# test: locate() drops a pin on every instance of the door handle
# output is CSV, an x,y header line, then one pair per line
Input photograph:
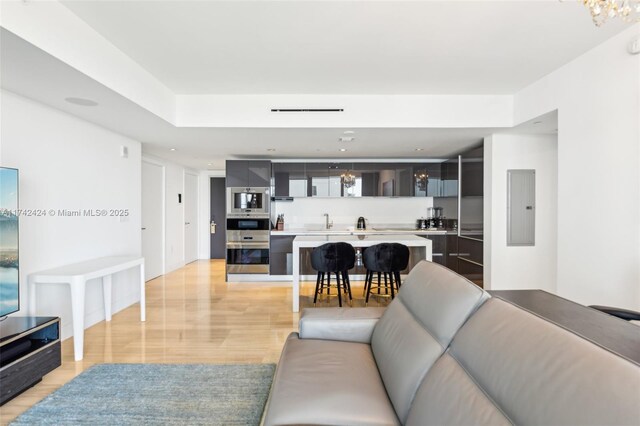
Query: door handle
x,y
187,223
144,229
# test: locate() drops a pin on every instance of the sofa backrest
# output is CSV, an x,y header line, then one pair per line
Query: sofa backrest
x,y
509,366
418,326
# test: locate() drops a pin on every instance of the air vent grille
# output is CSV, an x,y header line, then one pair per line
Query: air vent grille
x,y
307,110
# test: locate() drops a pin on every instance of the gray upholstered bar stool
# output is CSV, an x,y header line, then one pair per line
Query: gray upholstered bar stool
x,y
333,258
387,259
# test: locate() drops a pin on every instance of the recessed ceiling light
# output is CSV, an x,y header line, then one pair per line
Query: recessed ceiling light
x,y
172,149
419,149
343,149
349,132
209,164
271,149
81,102
346,139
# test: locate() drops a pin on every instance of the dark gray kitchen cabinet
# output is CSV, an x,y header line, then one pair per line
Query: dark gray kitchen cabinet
x,y
449,173
280,249
317,179
451,261
236,173
472,167
438,248
369,178
289,179
259,173
434,185
244,173
404,180
336,172
398,179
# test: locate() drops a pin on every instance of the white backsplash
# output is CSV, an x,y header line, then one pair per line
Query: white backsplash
x,y
345,211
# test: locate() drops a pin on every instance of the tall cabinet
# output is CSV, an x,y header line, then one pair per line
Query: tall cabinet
x,y
470,220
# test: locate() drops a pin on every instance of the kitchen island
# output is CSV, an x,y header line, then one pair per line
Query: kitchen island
x,y
310,241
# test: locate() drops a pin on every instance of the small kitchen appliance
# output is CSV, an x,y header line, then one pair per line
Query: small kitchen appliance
x,y
362,225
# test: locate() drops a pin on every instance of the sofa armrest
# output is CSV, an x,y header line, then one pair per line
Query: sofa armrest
x,y
345,324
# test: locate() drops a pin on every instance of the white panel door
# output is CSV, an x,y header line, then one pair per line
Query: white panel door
x,y
152,219
190,217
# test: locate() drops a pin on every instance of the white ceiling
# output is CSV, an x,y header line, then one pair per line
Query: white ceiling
x,y
32,73
327,47
346,47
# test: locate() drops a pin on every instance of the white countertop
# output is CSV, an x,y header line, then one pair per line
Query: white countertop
x,y
311,231
303,241
360,240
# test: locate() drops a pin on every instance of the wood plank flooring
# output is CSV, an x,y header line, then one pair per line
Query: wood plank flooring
x,y
193,316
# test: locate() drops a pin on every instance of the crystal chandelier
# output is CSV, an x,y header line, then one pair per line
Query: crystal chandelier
x,y
601,10
421,181
348,180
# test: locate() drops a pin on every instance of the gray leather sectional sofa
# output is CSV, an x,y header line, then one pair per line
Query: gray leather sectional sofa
x,y
445,353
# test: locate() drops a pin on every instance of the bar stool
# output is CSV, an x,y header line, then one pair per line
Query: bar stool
x,y
388,259
333,258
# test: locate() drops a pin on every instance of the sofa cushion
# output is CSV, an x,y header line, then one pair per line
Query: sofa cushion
x,y
449,396
533,371
418,326
328,382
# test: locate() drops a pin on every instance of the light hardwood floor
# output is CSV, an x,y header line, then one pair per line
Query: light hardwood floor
x,y
193,316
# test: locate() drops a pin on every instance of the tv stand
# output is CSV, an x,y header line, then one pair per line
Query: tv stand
x,y
29,349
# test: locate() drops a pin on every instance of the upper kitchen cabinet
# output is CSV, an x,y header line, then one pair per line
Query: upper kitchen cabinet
x,y
449,170
332,180
472,168
366,179
289,179
259,173
317,179
369,176
344,181
404,180
244,173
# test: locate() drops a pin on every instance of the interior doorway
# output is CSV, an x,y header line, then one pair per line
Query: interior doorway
x,y
190,217
218,213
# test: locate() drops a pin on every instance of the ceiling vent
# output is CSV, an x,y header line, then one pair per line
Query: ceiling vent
x,y
307,110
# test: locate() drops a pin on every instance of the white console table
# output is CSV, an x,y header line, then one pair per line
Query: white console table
x,y
305,241
77,275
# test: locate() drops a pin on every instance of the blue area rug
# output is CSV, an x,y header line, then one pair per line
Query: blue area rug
x,y
157,394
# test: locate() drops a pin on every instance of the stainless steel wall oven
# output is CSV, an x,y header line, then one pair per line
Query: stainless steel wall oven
x,y
248,245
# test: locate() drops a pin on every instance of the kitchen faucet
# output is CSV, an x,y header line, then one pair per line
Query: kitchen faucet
x,y
327,224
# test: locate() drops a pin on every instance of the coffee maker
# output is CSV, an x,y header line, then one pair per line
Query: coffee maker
x,y
434,217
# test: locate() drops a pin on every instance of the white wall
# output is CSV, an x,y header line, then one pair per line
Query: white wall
x,y
520,267
345,211
67,163
598,101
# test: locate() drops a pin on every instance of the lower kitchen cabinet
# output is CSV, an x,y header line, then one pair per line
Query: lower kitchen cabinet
x,y
470,258
438,248
451,261
280,257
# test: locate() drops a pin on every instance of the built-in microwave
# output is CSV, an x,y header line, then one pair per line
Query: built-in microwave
x,y
248,202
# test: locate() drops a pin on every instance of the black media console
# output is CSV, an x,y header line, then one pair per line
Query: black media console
x,y
29,349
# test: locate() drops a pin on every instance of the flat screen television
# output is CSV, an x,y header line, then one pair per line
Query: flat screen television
x,y
9,275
